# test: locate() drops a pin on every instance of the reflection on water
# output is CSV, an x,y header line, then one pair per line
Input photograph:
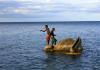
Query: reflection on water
x,y
21,47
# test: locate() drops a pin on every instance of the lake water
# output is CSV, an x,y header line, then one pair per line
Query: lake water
x,y
21,46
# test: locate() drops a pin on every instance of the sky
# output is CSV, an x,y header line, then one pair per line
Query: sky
x,y
49,10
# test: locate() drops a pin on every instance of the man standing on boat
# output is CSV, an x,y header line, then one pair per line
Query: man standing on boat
x,y
53,39
47,30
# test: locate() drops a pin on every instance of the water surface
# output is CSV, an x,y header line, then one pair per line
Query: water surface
x,y
21,46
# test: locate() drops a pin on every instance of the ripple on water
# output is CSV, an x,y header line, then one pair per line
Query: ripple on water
x,y
22,49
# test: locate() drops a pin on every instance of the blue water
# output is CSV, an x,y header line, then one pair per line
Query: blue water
x,y
21,46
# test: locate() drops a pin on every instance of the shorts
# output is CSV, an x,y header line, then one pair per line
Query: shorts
x,y
54,40
47,37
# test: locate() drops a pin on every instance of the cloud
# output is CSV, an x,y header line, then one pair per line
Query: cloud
x,y
48,8
80,5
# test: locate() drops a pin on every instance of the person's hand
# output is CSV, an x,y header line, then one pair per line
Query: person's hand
x,y
40,30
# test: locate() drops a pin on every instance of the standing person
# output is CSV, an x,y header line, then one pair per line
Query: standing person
x,y
54,40
47,30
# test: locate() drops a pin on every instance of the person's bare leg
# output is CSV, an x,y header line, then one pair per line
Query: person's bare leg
x,y
47,42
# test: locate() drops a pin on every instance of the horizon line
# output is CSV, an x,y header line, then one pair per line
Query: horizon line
x,y
44,21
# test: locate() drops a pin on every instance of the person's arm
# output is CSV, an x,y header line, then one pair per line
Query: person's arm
x,y
43,30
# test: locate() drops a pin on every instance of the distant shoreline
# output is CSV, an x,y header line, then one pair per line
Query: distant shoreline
x,y
51,22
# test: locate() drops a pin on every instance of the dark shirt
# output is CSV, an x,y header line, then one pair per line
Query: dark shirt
x,y
52,33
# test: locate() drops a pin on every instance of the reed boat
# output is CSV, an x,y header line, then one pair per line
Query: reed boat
x,y
67,46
